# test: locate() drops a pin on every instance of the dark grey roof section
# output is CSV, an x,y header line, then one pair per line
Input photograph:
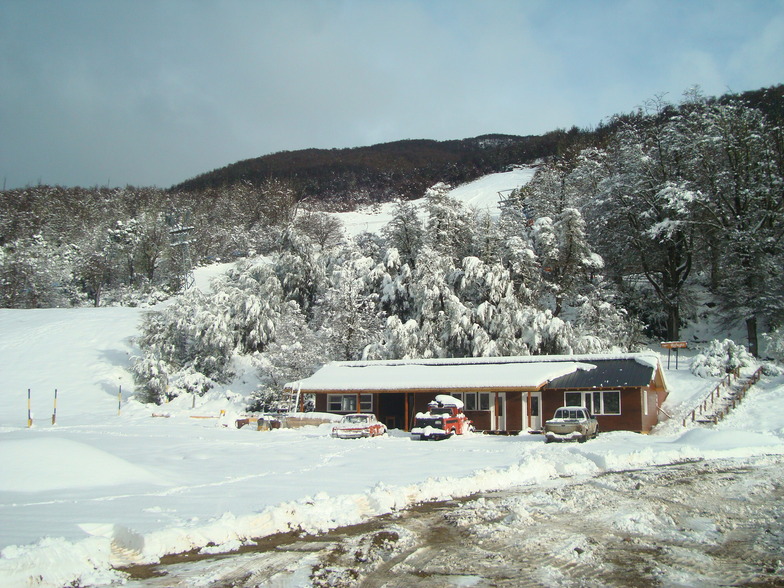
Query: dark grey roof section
x,y
609,373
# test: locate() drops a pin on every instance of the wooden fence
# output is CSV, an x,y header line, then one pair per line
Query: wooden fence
x,y
716,396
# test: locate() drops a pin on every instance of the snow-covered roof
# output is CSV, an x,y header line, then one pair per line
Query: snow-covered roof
x,y
472,373
386,376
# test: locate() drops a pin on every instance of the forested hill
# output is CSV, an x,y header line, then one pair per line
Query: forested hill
x,y
405,169
385,171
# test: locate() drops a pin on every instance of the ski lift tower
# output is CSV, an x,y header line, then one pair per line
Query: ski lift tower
x,y
180,240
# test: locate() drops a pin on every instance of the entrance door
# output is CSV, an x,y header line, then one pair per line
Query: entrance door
x,y
534,400
498,410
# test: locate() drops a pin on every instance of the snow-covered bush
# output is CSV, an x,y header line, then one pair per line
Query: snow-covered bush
x,y
721,357
775,344
190,381
151,378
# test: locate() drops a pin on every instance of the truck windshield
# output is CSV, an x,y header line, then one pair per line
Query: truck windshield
x,y
438,411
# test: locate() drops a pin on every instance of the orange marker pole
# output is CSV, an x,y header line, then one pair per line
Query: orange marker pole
x,y
54,412
29,412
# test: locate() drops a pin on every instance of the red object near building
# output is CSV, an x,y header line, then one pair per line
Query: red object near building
x,y
443,419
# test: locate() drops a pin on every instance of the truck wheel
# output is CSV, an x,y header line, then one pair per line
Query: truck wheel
x,y
582,438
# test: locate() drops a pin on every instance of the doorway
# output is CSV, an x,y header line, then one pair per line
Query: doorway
x,y
499,410
532,408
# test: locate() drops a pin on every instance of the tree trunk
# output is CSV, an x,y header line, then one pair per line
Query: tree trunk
x,y
673,322
751,330
558,305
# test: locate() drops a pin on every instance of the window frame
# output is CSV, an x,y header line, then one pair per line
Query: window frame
x,y
365,403
480,399
597,399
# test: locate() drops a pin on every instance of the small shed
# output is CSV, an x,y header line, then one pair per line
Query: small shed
x,y
500,394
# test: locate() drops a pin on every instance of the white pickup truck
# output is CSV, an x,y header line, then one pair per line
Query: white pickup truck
x,y
570,423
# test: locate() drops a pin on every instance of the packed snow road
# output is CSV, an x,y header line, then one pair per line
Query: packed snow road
x,y
705,523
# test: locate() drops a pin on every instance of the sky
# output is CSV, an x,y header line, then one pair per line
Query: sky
x,y
151,93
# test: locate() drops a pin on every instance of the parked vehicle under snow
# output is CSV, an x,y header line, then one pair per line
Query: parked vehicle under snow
x,y
353,426
443,419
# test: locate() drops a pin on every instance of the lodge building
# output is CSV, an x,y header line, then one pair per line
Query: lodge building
x,y
501,394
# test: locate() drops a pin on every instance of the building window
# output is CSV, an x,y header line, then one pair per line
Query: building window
x,y
606,402
484,400
348,403
469,400
474,400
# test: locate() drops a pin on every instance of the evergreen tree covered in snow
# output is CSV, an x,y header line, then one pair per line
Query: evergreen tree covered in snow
x,y
296,353
449,223
300,268
346,314
195,338
405,232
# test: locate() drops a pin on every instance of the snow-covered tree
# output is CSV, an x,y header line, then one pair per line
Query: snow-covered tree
x,y
301,271
346,312
519,257
775,344
34,273
296,353
575,264
449,224
397,340
151,378
322,229
720,358
517,213
644,214
549,192
405,232
255,298
736,160
487,238
93,267
394,285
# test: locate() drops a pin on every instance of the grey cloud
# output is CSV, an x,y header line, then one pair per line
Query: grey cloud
x,y
155,92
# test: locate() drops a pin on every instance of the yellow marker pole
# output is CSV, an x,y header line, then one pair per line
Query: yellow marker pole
x,y
29,412
54,412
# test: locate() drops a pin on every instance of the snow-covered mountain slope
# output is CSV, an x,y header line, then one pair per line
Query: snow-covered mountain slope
x,y
482,194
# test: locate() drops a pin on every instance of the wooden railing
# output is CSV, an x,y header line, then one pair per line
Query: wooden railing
x,y
716,395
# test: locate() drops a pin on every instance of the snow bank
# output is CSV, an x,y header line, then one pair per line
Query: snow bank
x,y
44,564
